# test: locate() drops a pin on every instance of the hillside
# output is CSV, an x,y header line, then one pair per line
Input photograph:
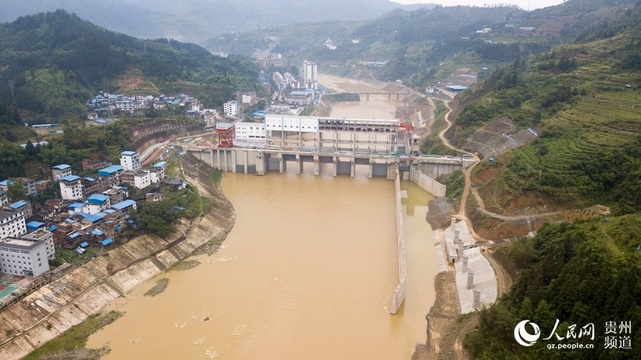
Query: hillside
x,y
56,62
410,42
565,133
581,99
199,20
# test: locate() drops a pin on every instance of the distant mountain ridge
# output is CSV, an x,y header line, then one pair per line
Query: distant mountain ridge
x,y
56,61
199,20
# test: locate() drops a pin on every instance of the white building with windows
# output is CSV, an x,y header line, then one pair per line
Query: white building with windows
x,y
27,255
130,160
97,203
157,172
71,188
232,108
310,75
12,224
60,171
249,131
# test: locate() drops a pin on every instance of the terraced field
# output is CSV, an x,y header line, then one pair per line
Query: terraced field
x,y
602,117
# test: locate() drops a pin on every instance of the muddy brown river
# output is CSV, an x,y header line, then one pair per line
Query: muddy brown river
x,y
306,273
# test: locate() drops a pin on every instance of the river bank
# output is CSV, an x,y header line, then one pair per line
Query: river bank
x,y
87,289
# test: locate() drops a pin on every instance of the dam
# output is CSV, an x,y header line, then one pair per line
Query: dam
x,y
382,145
308,271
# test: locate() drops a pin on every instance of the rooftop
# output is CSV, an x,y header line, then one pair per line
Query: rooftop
x,y
124,204
6,214
35,224
70,178
76,205
98,199
128,153
62,167
18,204
160,164
22,244
108,171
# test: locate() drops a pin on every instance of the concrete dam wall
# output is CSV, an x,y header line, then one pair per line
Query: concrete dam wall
x,y
399,293
427,183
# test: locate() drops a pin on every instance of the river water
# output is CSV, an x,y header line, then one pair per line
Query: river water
x,y
306,273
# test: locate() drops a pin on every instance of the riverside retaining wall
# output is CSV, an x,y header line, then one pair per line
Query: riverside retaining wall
x,y
427,183
87,289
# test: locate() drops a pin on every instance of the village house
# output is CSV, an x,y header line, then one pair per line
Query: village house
x,y
60,171
112,174
71,188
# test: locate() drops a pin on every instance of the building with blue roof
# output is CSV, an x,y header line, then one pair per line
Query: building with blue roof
x,y
98,199
112,174
75,207
4,198
34,225
110,170
60,171
18,204
22,206
157,172
125,206
130,160
97,203
71,187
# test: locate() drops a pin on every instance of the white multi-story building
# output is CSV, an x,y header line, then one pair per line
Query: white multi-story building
x,y
130,160
71,187
157,172
249,131
12,224
97,203
333,134
60,171
310,75
139,179
27,255
232,108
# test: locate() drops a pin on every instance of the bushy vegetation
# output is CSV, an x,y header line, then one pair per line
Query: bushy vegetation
x,y
567,273
77,143
161,217
57,62
71,343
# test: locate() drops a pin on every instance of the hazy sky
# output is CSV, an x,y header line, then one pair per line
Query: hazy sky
x,y
524,4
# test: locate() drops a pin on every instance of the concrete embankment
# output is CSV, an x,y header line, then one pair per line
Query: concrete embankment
x,y
427,183
399,293
85,290
323,109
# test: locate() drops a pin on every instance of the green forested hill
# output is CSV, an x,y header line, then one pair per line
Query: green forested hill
x,y
583,99
56,62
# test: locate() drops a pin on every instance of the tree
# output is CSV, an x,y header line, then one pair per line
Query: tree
x,y
158,218
15,190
